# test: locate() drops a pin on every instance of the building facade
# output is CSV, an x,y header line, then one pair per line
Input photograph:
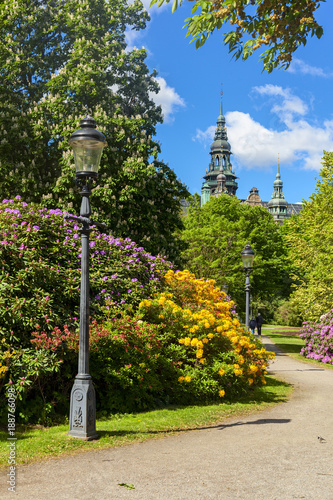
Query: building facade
x,y
221,178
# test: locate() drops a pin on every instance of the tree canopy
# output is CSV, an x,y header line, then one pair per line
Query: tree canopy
x,y
310,240
217,233
60,58
281,26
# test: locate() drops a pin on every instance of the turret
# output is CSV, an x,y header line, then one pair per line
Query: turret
x,y
220,151
277,205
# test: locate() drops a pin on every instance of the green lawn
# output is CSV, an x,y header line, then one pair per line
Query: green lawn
x,y
287,339
35,444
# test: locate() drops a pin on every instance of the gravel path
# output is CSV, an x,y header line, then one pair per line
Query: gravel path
x,y
271,455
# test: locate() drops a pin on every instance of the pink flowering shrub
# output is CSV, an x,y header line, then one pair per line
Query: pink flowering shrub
x,y
40,271
318,339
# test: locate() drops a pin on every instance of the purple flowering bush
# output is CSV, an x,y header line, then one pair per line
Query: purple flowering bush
x,y
40,275
318,339
40,271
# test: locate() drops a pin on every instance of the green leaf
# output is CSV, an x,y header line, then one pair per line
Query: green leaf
x,y
128,486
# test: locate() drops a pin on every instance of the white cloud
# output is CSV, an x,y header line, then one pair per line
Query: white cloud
x,y
293,137
168,99
133,37
255,146
290,105
299,66
206,136
130,37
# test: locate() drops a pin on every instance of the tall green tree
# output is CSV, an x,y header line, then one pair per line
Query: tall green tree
x,y
310,240
281,26
60,58
217,233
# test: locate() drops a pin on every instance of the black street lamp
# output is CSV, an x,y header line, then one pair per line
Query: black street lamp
x,y
88,144
247,259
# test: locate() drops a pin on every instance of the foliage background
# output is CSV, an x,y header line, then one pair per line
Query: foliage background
x,y
60,59
309,239
217,233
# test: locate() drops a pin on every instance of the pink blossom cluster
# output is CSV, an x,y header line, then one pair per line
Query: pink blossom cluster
x,y
318,338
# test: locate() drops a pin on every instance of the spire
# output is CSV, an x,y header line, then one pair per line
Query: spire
x,y
221,177
278,183
277,205
278,168
221,110
221,131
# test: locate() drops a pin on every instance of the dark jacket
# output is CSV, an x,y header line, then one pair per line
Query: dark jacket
x,y
252,324
259,320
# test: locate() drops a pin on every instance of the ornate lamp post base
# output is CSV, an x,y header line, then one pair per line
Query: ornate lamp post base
x,y
82,419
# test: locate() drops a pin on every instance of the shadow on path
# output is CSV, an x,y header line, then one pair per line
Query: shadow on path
x,y
207,427
260,421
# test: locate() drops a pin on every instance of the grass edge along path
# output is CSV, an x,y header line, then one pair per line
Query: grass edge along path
x,y
39,443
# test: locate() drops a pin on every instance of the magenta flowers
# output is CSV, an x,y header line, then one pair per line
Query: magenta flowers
x,y
318,338
40,255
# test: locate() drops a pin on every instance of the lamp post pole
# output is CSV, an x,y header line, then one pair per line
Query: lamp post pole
x,y
88,145
82,420
247,291
247,257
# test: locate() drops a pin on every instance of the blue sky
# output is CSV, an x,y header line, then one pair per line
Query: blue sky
x,y
286,113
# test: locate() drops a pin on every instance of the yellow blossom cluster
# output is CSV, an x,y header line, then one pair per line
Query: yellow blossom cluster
x,y
196,291
5,356
3,370
202,319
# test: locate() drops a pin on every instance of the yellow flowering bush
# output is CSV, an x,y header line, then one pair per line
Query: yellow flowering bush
x,y
203,339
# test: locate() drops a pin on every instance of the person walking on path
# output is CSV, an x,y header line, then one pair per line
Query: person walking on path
x,y
252,324
259,321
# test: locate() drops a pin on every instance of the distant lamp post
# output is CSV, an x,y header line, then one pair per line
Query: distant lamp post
x,y
225,287
88,144
251,302
247,259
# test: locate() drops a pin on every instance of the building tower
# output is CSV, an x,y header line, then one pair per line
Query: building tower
x,y
254,198
220,176
277,205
